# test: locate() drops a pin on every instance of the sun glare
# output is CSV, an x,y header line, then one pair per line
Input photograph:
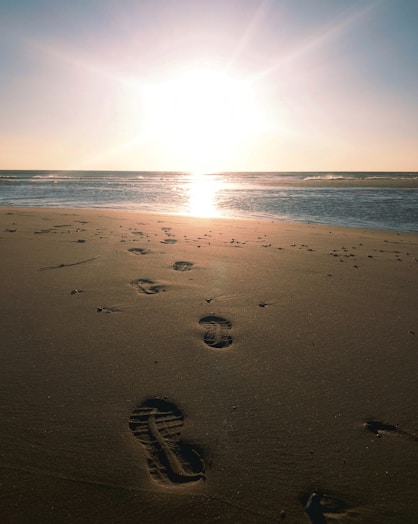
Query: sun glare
x,y
200,114
202,195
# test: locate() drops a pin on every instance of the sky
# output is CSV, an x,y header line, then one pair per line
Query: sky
x,y
209,85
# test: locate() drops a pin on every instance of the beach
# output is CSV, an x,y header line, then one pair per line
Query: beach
x,y
159,368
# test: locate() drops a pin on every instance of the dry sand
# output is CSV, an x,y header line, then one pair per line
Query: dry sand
x,y
221,375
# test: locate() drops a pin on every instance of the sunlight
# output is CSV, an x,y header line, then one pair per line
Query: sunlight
x,y
200,115
202,195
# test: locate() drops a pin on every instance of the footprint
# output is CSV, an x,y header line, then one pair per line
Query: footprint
x,y
182,266
158,424
379,428
168,241
106,309
138,250
43,231
374,426
217,331
148,287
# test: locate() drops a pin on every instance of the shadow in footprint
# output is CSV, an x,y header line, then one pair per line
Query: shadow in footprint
x,y
148,287
138,251
107,309
216,331
314,509
182,266
158,424
319,505
169,241
379,428
375,427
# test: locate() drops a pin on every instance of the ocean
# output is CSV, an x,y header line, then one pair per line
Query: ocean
x,y
387,201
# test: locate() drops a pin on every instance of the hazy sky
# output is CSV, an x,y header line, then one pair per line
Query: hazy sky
x,y
238,85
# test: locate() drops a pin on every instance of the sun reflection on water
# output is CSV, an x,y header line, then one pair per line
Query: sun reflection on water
x,y
203,189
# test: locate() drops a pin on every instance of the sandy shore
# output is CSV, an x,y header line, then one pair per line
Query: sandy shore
x,y
162,369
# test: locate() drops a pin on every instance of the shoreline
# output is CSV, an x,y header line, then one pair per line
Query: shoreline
x,y
263,219
177,369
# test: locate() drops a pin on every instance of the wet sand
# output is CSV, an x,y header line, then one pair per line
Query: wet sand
x,y
168,369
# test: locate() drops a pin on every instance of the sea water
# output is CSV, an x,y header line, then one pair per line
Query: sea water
x,y
370,200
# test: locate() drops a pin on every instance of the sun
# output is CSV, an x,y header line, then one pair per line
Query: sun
x,y
200,115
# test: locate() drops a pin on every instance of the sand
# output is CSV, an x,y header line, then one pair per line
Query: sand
x,y
164,369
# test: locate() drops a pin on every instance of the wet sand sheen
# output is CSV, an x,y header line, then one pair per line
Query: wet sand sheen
x,y
227,374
